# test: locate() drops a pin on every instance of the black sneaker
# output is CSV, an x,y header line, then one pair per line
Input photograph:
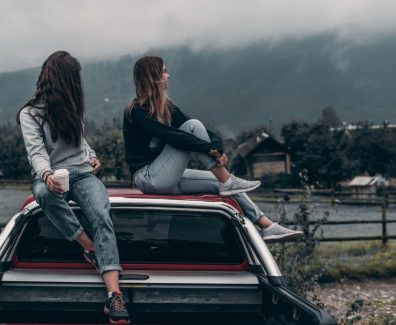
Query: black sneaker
x,y
89,256
115,308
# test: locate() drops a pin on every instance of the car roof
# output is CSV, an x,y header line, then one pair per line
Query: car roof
x,y
136,193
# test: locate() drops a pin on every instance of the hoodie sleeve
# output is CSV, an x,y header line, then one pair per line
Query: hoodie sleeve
x,y
92,153
34,143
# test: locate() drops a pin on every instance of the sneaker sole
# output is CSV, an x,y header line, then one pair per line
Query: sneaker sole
x,y
231,192
121,321
285,237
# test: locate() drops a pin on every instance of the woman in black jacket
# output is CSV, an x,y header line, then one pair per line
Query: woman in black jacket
x,y
160,138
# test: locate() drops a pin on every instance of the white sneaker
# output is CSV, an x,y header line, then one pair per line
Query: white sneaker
x,y
237,185
275,232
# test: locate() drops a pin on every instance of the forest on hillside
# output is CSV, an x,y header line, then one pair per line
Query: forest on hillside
x,y
235,89
325,148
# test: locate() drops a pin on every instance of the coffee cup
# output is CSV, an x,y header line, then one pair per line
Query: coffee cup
x,y
62,176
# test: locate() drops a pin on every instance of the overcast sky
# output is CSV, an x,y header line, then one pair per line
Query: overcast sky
x,y
94,29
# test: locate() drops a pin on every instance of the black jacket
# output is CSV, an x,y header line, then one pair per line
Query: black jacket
x,y
139,128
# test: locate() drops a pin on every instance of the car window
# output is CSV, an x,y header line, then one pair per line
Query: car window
x,y
144,237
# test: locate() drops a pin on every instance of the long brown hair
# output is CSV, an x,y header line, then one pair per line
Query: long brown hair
x,y
150,90
59,87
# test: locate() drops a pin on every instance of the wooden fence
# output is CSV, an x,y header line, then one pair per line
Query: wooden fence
x,y
382,201
384,237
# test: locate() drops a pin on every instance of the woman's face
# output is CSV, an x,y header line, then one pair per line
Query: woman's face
x,y
165,77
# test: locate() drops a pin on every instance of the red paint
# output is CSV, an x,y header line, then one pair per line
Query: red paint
x,y
155,266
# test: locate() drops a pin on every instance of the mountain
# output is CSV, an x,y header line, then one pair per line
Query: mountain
x,y
235,89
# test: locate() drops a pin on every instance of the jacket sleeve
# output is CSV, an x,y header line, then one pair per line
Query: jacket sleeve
x,y
183,117
34,143
215,138
171,135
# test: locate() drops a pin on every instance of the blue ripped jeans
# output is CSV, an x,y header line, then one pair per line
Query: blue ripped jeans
x,y
168,174
91,196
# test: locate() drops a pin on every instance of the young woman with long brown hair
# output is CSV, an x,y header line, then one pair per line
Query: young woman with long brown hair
x,y
52,124
160,138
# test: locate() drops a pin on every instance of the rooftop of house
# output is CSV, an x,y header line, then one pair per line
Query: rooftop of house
x,y
254,141
364,181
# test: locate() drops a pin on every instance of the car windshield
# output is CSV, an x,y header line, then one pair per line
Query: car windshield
x,y
143,236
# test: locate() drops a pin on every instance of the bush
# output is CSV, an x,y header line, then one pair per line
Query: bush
x,y
295,258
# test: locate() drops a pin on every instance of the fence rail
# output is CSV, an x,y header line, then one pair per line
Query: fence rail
x,y
383,203
383,237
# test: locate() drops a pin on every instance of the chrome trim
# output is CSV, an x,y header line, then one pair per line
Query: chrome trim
x,y
262,250
6,233
156,278
157,202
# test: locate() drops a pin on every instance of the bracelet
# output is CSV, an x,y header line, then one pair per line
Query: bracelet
x,y
46,177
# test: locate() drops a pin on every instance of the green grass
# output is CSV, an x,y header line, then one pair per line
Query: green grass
x,y
354,260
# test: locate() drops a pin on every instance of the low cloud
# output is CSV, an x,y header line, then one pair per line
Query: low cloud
x,y
99,29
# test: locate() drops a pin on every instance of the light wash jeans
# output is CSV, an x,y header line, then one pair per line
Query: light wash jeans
x,y
91,195
168,174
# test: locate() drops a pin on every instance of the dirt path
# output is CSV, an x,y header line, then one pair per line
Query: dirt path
x,y
366,302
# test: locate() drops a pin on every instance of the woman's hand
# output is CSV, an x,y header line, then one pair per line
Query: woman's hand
x,y
222,161
54,185
215,153
95,163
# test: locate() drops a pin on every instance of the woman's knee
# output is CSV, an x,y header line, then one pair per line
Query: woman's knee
x,y
195,127
192,126
41,192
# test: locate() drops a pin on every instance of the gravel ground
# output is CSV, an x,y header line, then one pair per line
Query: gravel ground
x,y
364,302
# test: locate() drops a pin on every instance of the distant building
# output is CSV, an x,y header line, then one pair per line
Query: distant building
x,y
365,186
351,129
263,155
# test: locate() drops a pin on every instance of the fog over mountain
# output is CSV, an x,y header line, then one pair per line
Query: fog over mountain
x,y
98,30
239,88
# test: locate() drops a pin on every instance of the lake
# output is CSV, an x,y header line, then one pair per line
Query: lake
x,y
10,202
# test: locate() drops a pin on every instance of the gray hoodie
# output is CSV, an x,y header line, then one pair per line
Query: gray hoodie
x,y
47,155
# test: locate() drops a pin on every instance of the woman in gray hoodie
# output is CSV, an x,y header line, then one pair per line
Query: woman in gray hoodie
x,y
53,131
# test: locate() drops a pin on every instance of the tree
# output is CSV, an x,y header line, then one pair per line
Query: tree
x,y
330,118
13,160
317,149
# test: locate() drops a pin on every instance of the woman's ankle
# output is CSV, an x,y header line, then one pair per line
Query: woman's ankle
x,y
221,174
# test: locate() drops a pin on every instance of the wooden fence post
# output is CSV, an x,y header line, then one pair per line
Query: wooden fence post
x,y
384,208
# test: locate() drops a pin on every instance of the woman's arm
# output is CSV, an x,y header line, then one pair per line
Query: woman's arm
x,y
34,143
92,153
175,137
182,117
95,163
